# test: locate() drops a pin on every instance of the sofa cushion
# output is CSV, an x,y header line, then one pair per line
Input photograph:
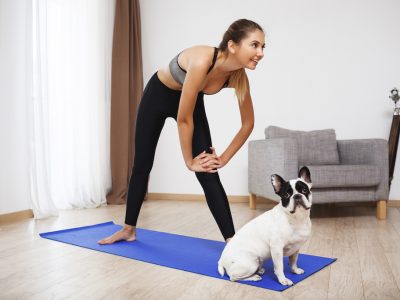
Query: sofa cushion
x,y
318,147
330,176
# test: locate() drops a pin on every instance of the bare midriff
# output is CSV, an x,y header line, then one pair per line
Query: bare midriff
x,y
165,77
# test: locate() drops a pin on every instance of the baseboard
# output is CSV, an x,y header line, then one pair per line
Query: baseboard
x,y
197,197
245,199
16,216
393,203
390,203
28,214
192,197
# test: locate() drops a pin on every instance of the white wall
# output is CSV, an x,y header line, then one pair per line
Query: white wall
x,y
14,180
328,64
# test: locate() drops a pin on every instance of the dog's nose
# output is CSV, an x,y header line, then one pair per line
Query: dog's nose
x,y
297,197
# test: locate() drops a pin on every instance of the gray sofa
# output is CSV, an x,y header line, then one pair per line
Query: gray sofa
x,y
341,170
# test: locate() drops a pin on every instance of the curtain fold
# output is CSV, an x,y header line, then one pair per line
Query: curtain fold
x,y
126,92
43,205
72,45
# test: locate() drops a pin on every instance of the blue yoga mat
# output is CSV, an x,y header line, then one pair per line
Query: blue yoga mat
x,y
180,252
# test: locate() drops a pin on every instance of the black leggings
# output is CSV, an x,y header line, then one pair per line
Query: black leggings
x,y
158,103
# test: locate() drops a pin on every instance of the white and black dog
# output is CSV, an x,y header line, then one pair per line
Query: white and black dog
x,y
276,233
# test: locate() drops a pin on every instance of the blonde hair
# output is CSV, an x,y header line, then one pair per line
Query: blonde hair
x,y
236,32
239,82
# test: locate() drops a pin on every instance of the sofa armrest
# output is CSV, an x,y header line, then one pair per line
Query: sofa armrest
x,y
368,151
267,157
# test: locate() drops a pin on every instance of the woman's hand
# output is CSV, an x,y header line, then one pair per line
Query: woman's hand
x,y
220,160
207,162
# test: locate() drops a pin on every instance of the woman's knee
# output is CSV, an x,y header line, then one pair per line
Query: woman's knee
x,y
142,169
204,177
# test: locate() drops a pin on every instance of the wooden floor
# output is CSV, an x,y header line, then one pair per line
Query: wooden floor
x,y
368,252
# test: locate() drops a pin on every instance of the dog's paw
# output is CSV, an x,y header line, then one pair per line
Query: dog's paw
x,y
261,271
285,281
255,277
297,271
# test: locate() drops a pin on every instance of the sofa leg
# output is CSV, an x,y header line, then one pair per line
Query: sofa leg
x,y
381,209
252,201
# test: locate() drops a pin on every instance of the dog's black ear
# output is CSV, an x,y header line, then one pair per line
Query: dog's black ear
x,y
305,174
277,182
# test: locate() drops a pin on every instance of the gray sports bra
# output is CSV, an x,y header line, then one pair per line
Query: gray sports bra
x,y
179,74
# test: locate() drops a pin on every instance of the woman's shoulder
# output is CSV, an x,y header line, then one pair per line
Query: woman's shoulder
x,y
201,54
199,49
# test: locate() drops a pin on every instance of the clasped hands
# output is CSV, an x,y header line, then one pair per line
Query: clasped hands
x,y
207,162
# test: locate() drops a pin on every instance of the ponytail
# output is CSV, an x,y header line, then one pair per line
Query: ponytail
x,y
238,81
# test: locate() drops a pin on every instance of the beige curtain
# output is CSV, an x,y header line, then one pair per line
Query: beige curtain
x,y
126,91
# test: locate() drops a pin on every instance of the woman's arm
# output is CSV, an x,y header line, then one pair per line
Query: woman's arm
x,y
195,75
247,118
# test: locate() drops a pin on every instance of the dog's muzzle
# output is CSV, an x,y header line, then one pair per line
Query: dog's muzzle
x,y
298,201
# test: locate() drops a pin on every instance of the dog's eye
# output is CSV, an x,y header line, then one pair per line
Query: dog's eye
x,y
287,195
304,191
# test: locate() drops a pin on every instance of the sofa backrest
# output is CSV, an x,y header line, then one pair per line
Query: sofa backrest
x,y
317,147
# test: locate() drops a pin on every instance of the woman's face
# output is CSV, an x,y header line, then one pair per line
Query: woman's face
x,y
251,49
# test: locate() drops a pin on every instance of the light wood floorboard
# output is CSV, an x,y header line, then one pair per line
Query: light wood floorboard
x,y
367,250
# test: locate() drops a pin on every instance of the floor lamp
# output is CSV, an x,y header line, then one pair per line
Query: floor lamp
x,y
394,133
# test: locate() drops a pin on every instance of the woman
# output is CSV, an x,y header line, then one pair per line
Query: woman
x,y
177,91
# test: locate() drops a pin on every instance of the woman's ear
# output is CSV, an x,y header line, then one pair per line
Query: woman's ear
x,y
231,47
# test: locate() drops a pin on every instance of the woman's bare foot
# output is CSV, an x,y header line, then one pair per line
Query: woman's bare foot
x,y
128,233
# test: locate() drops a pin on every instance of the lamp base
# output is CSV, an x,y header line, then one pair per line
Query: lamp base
x,y
393,142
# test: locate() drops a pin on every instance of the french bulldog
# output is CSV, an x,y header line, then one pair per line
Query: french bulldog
x,y
276,233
